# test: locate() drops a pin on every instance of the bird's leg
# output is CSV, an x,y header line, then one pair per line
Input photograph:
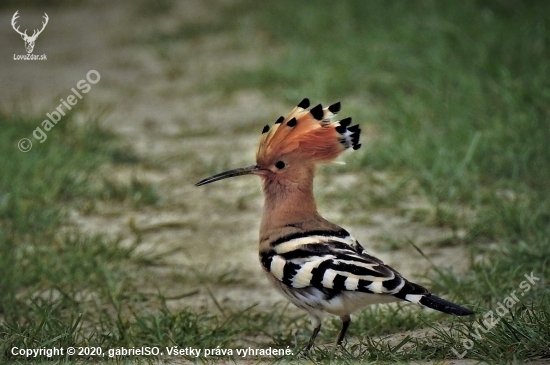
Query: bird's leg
x,y
312,338
316,322
346,320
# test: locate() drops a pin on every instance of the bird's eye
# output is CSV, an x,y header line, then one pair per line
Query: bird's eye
x,y
280,165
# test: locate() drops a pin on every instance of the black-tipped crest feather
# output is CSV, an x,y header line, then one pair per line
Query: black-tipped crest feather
x,y
304,104
354,128
346,121
335,108
317,112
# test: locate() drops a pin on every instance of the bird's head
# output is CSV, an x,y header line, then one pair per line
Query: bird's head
x,y
290,149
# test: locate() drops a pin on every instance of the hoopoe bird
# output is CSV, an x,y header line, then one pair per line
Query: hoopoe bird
x,y
317,264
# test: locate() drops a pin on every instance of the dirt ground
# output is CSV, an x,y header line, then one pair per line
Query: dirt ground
x,y
183,131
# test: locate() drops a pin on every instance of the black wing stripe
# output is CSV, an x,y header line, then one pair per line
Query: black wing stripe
x,y
315,249
304,252
289,272
363,286
392,284
326,233
365,259
339,283
357,270
318,273
265,259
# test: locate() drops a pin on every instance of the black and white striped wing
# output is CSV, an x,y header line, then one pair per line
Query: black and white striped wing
x,y
331,263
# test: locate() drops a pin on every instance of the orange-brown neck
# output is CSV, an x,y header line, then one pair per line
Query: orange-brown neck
x,y
287,202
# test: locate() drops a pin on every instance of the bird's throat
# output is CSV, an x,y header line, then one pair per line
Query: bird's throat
x,y
287,203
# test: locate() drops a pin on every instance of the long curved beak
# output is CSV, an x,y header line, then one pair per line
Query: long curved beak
x,y
254,170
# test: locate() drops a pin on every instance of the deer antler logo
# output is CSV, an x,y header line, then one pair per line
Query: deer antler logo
x,y
29,41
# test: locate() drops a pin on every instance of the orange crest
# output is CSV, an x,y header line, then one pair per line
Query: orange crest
x,y
309,135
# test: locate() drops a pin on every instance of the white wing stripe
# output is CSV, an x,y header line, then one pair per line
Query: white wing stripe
x,y
352,284
304,275
302,241
376,287
328,279
277,267
413,298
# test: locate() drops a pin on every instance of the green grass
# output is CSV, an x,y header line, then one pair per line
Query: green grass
x,y
59,287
